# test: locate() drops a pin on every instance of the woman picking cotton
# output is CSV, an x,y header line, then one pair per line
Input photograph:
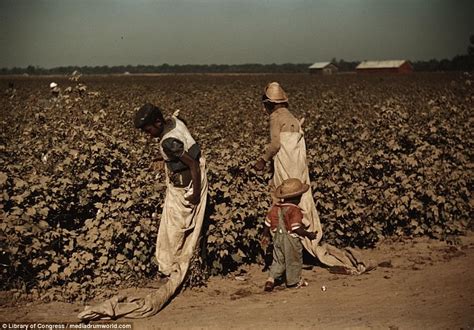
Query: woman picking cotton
x,y
186,193
287,149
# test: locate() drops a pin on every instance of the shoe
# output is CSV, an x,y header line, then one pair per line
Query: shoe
x,y
269,286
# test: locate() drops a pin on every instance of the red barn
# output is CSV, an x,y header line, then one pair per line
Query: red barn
x,y
393,66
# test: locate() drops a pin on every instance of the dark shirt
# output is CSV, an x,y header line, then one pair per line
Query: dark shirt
x,y
173,148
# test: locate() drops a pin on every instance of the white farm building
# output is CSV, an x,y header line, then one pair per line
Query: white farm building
x,y
323,68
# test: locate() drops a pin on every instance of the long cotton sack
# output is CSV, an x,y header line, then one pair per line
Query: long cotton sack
x,y
180,228
290,162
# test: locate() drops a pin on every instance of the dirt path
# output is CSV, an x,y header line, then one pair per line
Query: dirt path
x,y
424,284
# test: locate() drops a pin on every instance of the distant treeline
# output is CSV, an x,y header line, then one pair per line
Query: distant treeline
x,y
164,68
457,63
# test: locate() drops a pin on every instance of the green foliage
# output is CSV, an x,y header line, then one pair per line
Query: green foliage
x,y
81,208
78,210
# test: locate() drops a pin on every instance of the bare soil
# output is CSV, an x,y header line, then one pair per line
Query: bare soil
x,y
418,284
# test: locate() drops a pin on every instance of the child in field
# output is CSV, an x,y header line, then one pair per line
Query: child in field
x,y
284,221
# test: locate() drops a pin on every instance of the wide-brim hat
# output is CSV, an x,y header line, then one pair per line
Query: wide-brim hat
x,y
275,93
291,188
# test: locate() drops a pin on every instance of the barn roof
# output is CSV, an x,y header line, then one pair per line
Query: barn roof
x,y
380,64
319,65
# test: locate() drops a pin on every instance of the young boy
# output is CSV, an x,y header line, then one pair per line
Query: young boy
x,y
284,221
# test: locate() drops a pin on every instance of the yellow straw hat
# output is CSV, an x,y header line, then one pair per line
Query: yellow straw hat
x,y
275,93
291,188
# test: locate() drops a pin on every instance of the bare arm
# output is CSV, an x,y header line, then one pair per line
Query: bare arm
x,y
265,239
304,233
195,176
266,232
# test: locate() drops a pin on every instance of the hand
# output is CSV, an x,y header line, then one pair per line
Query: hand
x,y
312,235
194,199
264,241
260,165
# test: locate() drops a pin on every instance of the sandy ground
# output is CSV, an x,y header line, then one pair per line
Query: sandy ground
x,y
419,284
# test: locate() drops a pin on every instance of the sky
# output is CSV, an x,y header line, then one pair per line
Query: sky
x,y
52,33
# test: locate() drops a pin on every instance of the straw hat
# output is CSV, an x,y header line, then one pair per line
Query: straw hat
x,y
275,93
291,188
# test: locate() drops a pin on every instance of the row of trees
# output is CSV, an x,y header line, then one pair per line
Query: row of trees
x,y
164,68
457,63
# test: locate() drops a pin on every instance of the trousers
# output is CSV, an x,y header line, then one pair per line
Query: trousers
x,y
287,254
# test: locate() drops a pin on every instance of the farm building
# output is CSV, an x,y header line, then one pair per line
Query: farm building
x,y
323,68
394,66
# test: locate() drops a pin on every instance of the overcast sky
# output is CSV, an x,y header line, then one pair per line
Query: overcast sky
x,y
50,33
